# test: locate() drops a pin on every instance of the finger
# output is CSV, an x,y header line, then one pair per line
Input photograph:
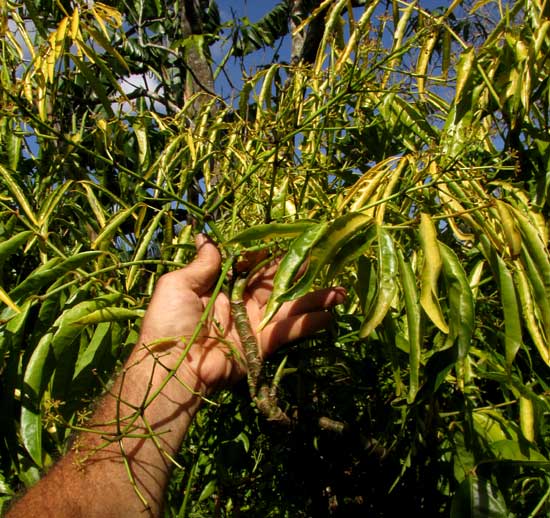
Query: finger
x,y
261,284
201,274
251,259
293,328
315,301
266,273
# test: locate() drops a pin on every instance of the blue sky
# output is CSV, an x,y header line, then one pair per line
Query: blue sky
x,y
255,10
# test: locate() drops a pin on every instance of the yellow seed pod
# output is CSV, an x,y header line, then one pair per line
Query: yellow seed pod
x,y
527,418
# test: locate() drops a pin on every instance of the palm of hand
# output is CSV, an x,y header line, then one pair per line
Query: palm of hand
x,y
216,357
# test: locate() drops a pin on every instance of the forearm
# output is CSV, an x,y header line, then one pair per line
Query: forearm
x,y
122,465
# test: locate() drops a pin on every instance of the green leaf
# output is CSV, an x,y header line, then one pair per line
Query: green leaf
x,y
536,248
49,272
208,490
95,58
19,195
141,129
412,308
461,301
66,335
366,283
14,243
477,498
270,231
243,438
141,249
517,451
102,40
52,202
13,147
89,357
408,121
512,323
324,249
53,350
387,282
290,265
38,370
11,334
532,323
356,247
109,314
493,427
464,74
114,225
263,33
96,85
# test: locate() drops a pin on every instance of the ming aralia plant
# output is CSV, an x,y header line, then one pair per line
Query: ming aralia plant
x,y
404,156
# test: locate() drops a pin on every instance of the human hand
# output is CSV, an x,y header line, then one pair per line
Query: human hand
x,y
144,401
216,357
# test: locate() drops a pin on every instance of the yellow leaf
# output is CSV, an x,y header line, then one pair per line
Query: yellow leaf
x,y
430,273
479,4
41,101
4,297
100,21
464,67
15,45
527,418
48,66
191,144
540,37
75,24
522,50
423,61
96,207
113,16
60,34
18,194
512,235
27,88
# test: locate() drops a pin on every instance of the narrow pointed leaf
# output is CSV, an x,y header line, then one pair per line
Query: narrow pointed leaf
x,y
49,272
38,369
412,308
19,195
11,245
290,264
510,308
113,225
270,231
476,498
431,270
461,301
387,283
340,231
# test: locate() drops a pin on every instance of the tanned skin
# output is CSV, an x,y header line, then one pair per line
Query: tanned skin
x,y
92,480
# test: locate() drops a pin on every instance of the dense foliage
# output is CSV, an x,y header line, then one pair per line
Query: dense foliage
x,y
413,142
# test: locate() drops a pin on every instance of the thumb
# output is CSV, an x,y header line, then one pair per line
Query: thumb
x,y
203,272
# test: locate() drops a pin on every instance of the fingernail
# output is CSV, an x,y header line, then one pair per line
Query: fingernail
x,y
340,295
200,239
